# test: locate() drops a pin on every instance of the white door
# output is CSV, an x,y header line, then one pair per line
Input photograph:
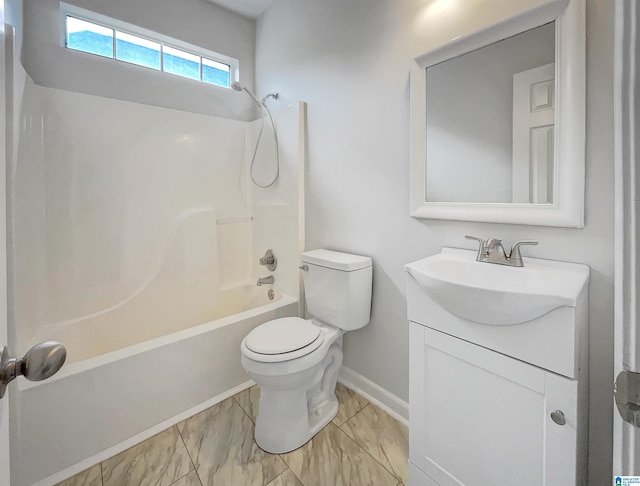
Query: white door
x,y
4,402
626,447
533,129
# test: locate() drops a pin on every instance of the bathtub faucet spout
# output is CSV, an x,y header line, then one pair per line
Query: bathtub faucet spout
x,y
265,280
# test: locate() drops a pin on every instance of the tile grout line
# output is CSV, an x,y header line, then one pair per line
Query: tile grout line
x,y
294,474
284,453
367,452
289,467
242,408
279,456
188,454
277,476
362,446
101,474
357,413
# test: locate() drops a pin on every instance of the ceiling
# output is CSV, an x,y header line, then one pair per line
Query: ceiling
x,y
248,8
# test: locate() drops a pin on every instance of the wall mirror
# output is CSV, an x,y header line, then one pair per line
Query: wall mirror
x,y
497,122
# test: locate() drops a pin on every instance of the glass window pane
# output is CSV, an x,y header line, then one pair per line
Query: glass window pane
x,y
180,63
87,37
215,72
137,50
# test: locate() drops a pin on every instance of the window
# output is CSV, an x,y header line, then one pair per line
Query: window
x,y
89,37
137,50
181,63
87,31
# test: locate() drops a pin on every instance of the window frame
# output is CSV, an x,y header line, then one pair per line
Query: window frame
x,y
149,35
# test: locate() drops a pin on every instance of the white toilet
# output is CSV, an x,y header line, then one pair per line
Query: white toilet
x,y
296,361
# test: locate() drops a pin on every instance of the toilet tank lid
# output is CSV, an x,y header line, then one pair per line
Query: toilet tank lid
x,y
336,259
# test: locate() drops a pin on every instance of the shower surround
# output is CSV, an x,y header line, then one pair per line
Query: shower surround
x,y
135,234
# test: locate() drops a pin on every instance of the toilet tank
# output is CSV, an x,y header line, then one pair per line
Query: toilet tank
x,y
338,288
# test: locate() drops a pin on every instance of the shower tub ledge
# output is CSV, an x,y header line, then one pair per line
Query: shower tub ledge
x,y
101,406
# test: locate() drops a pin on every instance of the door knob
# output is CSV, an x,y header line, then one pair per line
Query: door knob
x,y
39,363
558,417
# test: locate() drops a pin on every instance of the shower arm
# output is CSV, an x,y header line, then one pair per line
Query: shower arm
x,y
275,95
238,87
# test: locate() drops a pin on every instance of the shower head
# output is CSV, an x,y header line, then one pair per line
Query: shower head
x,y
238,87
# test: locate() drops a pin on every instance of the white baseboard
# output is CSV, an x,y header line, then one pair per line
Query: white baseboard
x,y
387,401
141,437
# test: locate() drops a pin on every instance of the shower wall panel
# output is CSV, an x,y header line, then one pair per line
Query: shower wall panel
x,y
278,211
109,194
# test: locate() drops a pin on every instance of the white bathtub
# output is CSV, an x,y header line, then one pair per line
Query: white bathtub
x,y
98,406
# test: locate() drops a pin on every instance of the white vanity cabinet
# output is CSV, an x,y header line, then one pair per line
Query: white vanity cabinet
x,y
496,404
478,417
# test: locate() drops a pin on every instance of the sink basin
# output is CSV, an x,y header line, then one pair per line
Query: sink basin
x,y
497,294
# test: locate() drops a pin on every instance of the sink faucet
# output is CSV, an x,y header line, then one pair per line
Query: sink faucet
x,y
492,251
265,280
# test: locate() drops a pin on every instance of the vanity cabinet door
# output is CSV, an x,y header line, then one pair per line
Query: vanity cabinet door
x,y
480,418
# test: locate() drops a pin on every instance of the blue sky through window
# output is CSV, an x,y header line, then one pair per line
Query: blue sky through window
x,y
137,50
215,72
96,39
181,63
88,37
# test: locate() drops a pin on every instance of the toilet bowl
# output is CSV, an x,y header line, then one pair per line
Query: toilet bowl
x,y
295,361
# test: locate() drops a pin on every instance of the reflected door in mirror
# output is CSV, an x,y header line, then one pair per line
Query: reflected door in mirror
x,y
533,135
472,122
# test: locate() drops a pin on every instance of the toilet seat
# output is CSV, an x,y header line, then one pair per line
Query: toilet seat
x,y
282,339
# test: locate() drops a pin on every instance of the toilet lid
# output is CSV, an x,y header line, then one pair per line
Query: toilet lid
x,y
282,336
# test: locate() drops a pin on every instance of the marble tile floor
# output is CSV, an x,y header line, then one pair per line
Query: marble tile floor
x,y
363,445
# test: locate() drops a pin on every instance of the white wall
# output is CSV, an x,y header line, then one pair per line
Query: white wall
x,y
470,118
194,21
350,62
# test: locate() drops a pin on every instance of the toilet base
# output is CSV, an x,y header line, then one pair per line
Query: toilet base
x,y
288,419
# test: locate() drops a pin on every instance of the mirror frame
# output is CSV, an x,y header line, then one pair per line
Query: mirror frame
x,y
567,209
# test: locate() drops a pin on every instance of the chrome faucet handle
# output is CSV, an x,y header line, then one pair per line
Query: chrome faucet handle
x,y
269,260
515,257
481,250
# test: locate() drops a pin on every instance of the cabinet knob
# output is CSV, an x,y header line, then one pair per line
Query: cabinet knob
x,y
558,417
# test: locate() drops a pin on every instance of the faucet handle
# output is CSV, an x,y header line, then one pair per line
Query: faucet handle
x,y
479,240
480,248
514,256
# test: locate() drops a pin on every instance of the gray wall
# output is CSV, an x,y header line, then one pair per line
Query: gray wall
x,y
350,61
195,21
